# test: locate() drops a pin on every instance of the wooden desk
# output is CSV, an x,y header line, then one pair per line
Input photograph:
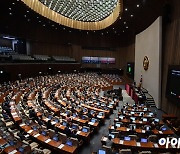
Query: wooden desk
x,y
96,109
49,142
138,122
11,149
52,108
141,131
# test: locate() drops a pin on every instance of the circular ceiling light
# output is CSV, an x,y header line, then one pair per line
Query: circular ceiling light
x,y
79,14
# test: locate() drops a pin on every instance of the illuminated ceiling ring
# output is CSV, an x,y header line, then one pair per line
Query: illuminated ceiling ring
x,y
88,19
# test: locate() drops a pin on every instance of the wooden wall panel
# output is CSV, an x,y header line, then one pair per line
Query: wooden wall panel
x,y
50,49
171,53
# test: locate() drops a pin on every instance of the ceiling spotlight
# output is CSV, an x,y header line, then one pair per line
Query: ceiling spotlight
x,y
44,25
9,8
13,3
27,11
127,27
126,9
132,15
124,22
64,28
10,13
123,31
120,18
69,31
137,5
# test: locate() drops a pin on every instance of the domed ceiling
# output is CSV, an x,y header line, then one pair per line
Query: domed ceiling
x,y
79,14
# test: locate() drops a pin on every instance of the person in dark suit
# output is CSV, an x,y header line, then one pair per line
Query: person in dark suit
x,y
32,113
67,130
109,142
49,125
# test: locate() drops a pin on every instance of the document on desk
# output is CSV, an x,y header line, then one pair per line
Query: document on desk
x,y
61,146
160,132
128,129
48,140
91,123
121,142
112,127
12,152
53,122
104,139
143,131
36,135
14,113
156,145
30,131
23,124
78,132
26,135
138,144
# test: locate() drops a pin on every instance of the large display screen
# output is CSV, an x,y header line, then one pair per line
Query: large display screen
x,y
173,84
103,60
97,60
111,60
86,59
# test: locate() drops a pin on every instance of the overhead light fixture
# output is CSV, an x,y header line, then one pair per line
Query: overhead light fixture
x,y
127,27
132,15
137,5
126,9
